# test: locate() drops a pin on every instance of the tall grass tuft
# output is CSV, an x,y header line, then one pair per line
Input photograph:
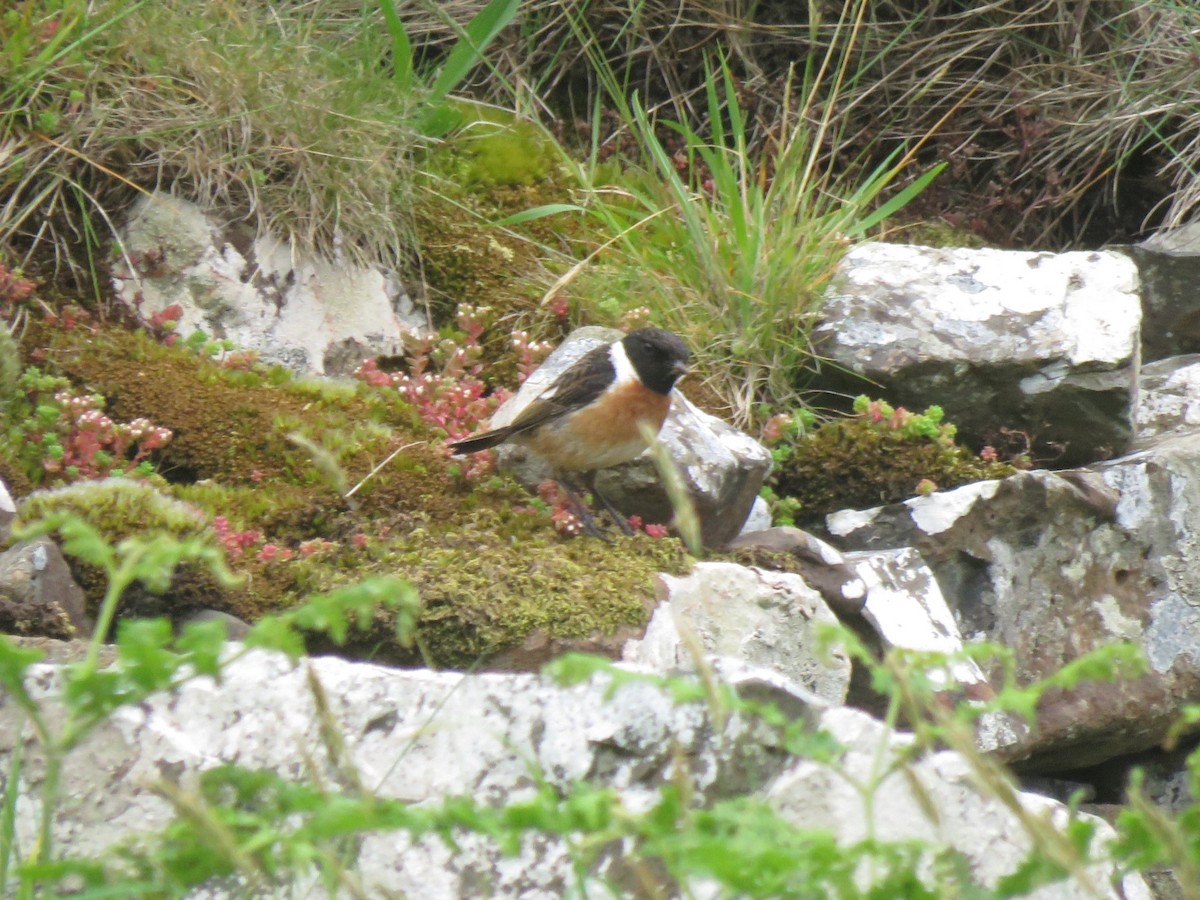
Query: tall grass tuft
x,y
734,248
304,118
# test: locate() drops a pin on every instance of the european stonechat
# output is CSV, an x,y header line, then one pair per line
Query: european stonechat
x,y
591,416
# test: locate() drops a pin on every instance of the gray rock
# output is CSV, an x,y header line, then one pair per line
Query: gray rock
x,y
1044,343
764,619
934,798
311,315
422,736
822,565
1169,397
1169,268
722,467
759,518
235,628
891,599
38,595
417,736
905,607
1053,565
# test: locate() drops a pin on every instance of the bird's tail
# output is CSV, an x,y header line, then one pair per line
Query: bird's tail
x,y
477,442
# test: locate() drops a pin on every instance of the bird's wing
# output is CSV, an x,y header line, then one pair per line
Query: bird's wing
x,y
577,386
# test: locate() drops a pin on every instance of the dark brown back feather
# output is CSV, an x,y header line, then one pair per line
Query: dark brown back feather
x,y
484,441
579,385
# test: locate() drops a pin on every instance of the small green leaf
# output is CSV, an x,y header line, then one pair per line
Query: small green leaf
x,y
14,662
469,48
538,212
203,643
273,633
145,658
402,54
81,540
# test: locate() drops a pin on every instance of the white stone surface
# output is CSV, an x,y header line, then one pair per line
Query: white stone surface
x,y
1004,341
422,736
906,608
1083,303
766,619
1169,397
311,315
934,798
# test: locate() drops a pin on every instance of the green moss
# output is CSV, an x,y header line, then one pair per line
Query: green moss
x,y
466,259
10,363
491,570
488,585
119,508
852,464
937,233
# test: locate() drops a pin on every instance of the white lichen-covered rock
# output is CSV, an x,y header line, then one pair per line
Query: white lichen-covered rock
x,y
422,736
1169,397
906,608
1053,565
311,315
765,619
897,595
934,798
722,468
417,736
1043,343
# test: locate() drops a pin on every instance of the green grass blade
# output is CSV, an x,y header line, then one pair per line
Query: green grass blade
x,y
468,50
901,199
8,818
538,212
402,55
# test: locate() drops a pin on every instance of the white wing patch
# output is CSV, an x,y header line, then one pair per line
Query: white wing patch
x,y
621,364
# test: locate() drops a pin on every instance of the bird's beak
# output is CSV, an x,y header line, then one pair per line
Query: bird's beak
x,y
680,368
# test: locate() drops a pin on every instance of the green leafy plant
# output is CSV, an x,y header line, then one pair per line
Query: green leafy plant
x,y
881,455
149,660
58,435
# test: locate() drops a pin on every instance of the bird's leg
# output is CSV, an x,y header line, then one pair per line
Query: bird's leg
x,y
580,509
589,481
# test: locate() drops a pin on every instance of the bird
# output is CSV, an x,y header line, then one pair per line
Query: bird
x,y
591,417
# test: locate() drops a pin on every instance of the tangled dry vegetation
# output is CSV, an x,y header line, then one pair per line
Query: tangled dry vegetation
x,y
1063,123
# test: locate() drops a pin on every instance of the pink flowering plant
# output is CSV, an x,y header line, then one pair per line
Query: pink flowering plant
x,y
253,544
15,289
444,380
64,436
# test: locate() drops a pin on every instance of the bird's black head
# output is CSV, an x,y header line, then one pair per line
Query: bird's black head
x,y
659,357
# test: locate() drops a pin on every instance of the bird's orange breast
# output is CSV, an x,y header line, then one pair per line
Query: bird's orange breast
x,y
604,433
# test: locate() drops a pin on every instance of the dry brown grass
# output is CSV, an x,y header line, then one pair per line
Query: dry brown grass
x,y
281,114
1072,123
1069,122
